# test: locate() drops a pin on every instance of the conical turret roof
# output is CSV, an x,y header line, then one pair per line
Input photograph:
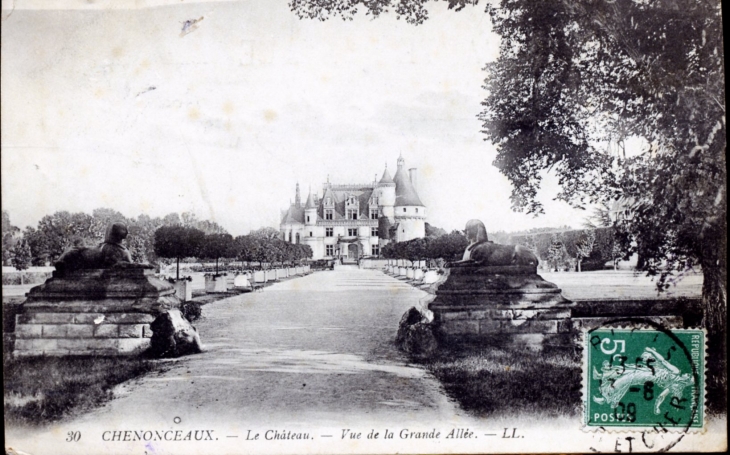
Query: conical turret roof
x,y
310,202
386,178
405,193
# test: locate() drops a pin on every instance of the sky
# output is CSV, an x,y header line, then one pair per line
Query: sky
x,y
109,104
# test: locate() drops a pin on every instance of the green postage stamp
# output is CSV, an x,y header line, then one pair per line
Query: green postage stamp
x,y
644,378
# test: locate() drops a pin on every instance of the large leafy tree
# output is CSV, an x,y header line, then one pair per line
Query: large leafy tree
x,y
59,231
9,233
22,258
575,84
178,242
265,233
216,246
577,80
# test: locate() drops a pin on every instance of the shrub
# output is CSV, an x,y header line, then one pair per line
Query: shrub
x,y
191,310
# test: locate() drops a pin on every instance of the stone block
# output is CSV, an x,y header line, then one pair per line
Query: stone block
x,y
55,330
146,331
565,326
130,330
27,353
461,327
57,353
86,345
88,318
80,331
478,314
129,318
523,315
133,345
558,313
454,315
29,331
530,326
36,345
106,331
45,318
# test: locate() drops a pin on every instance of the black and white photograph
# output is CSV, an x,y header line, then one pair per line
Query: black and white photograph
x,y
363,226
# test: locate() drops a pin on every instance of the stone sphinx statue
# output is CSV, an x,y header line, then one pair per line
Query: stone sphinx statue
x,y
481,251
494,295
107,304
110,253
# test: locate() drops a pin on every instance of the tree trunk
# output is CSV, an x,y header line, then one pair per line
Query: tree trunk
x,y
714,304
177,275
216,266
579,261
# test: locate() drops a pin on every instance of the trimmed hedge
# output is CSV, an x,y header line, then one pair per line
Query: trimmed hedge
x,y
540,243
15,278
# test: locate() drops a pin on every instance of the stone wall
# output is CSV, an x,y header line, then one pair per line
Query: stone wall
x,y
92,312
536,327
82,333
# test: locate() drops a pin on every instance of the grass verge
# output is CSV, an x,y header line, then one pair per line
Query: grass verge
x,y
498,381
43,390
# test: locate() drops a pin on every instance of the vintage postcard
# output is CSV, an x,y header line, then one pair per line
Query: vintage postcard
x,y
363,226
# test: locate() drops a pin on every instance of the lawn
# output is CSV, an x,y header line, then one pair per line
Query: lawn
x,y
42,390
509,381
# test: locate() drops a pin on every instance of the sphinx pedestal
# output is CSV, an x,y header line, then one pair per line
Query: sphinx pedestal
x,y
92,312
501,305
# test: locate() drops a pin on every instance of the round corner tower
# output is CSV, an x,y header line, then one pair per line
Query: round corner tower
x,y
386,196
410,213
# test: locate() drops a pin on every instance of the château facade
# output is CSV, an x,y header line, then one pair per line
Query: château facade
x,y
343,223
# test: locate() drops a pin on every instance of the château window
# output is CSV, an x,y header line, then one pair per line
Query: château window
x,y
307,218
329,250
375,249
352,214
416,210
374,214
373,232
328,215
297,237
352,232
329,232
310,234
404,209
